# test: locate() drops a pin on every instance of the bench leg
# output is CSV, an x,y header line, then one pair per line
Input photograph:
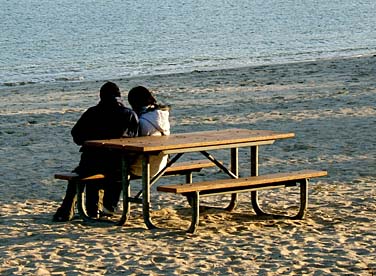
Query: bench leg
x,y
194,198
80,188
254,172
233,203
255,204
303,199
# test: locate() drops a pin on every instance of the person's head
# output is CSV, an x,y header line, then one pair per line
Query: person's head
x,y
109,92
139,97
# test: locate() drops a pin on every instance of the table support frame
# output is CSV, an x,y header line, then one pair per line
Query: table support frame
x,y
232,171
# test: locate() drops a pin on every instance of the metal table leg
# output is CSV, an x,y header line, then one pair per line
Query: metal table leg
x,y
254,172
146,192
126,189
235,170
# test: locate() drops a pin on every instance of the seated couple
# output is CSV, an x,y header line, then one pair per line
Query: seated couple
x,y
107,120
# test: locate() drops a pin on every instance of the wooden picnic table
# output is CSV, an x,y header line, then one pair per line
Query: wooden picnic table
x,y
178,144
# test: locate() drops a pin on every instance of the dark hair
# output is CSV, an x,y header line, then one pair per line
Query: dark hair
x,y
139,97
109,91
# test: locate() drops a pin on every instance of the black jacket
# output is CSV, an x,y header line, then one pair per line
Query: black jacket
x,y
106,120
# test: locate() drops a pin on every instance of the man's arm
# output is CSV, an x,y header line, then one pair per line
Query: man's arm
x,y
80,130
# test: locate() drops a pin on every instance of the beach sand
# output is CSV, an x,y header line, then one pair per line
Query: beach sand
x,y
329,104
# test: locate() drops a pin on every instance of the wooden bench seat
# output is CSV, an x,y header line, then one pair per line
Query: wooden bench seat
x,y
180,168
247,184
74,176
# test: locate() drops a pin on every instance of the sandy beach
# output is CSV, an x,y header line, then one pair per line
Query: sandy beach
x,y
329,104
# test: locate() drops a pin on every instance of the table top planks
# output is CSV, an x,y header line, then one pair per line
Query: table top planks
x,y
190,140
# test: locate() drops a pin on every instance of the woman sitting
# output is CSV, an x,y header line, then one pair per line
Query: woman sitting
x,y
153,121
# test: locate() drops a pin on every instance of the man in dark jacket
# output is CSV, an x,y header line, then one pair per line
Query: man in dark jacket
x,y
108,119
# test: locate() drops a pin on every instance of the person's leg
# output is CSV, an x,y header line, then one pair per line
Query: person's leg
x,y
112,190
66,211
92,198
112,187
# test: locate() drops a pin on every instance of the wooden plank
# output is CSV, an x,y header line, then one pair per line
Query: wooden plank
x,y
180,167
189,166
240,182
73,176
218,147
190,140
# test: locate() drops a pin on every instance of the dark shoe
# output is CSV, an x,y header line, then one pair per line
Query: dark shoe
x,y
93,213
107,212
63,215
66,211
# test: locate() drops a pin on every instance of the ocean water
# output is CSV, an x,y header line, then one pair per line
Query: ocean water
x,y
45,41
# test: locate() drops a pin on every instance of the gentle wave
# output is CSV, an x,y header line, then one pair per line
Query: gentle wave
x,y
163,37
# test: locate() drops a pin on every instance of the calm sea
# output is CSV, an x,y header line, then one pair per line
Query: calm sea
x,y
70,40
